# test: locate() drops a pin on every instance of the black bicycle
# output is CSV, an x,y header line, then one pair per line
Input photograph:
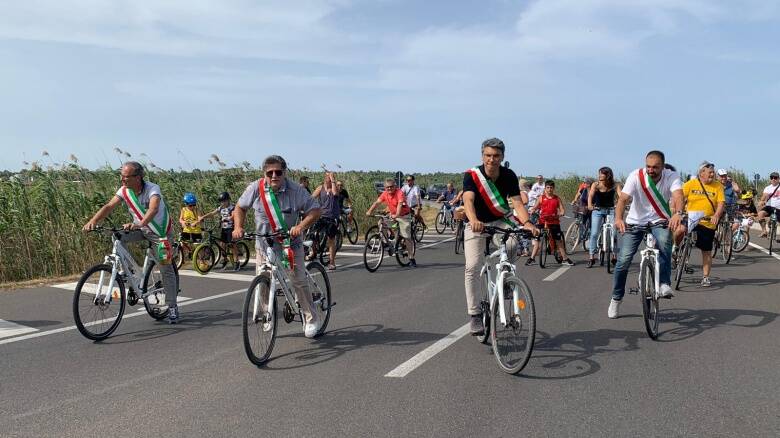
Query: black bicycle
x,y
349,228
212,249
319,238
386,238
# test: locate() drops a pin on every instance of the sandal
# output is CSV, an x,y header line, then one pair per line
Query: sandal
x,y
331,267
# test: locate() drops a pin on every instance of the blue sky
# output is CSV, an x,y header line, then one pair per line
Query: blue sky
x,y
569,85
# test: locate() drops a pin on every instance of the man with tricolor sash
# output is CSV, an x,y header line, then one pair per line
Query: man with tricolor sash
x,y
486,192
151,222
276,201
656,197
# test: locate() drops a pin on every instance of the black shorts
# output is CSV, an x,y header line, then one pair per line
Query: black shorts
x,y
769,210
555,231
191,237
329,226
704,237
226,235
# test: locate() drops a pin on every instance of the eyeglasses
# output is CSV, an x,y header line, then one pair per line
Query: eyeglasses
x,y
128,176
274,172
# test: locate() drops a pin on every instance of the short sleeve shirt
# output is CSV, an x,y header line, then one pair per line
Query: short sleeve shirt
x,y
292,198
642,211
392,201
507,186
536,191
548,209
449,195
412,195
226,216
774,201
697,200
149,191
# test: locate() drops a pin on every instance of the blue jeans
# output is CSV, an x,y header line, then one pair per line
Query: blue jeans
x,y
596,219
631,241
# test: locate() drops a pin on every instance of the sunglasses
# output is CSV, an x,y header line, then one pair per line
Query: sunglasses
x,y
774,177
274,172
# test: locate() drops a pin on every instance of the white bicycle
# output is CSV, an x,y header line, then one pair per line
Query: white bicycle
x,y
260,312
508,312
100,296
606,243
649,277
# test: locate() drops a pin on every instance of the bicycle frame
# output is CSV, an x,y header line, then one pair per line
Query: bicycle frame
x,y
121,261
497,287
608,232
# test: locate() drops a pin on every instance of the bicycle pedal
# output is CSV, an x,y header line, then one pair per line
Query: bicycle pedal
x,y
633,291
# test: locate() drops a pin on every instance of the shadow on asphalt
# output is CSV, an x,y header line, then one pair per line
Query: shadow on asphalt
x,y
188,321
337,342
36,322
691,323
571,355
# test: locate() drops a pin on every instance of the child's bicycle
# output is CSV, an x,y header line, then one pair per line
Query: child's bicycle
x,y
100,296
212,249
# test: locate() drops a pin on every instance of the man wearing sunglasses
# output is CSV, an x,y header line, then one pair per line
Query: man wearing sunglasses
x,y
276,201
151,222
770,201
400,211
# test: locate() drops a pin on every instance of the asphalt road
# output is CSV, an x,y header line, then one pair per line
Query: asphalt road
x,y
713,372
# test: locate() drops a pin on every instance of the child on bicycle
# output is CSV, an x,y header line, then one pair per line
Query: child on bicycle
x,y
190,219
550,208
225,212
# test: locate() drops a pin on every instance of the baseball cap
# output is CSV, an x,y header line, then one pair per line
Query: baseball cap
x,y
722,172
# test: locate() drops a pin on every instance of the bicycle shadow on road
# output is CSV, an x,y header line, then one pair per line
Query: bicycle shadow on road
x,y
187,321
691,285
571,355
692,323
335,343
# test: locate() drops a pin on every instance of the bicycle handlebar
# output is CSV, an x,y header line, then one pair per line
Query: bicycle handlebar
x,y
507,231
648,226
282,234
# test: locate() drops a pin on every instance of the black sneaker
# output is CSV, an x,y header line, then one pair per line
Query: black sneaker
x,y
173,314
530,261
590,263
237,267
568,262
476,328
412,263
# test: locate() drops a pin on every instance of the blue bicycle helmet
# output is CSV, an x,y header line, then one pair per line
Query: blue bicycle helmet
x,y
190,199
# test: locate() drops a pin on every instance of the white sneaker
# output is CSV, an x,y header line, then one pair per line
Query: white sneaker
x,y
311,328
613,308
665,291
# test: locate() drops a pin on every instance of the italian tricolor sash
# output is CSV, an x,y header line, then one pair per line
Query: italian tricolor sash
x,y
496,203
657,201
164,249
276,219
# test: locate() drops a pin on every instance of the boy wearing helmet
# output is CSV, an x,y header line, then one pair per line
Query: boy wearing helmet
x,y
190,219
225,212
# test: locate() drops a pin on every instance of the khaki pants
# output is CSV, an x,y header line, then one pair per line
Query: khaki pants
x,y
298,276
474,250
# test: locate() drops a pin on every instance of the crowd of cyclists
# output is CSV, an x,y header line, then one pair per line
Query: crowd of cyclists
x,y
492,195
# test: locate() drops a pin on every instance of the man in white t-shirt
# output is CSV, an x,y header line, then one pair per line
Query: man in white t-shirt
x,y
770,201
536,191
657,200
151,222
413,198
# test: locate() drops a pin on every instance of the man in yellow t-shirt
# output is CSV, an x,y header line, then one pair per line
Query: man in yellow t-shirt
x,y
704,195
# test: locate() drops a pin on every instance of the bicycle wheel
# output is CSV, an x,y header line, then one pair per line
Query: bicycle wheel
x,y
319,287
323,253
772,235
440,223
459,236
740,240
726,246
243,253
572,236
682,262
371,230
178,255
513,342
402,255
153,292
97,320
484,305
373,252
649,298
351,230
609,252
544,249
418,231
203,258
259,330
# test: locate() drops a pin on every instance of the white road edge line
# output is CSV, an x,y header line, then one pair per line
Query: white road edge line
x,y
764,250
129,315
421,357
558,272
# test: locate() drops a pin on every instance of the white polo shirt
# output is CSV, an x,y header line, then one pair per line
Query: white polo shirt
x,y
774,201
642,211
